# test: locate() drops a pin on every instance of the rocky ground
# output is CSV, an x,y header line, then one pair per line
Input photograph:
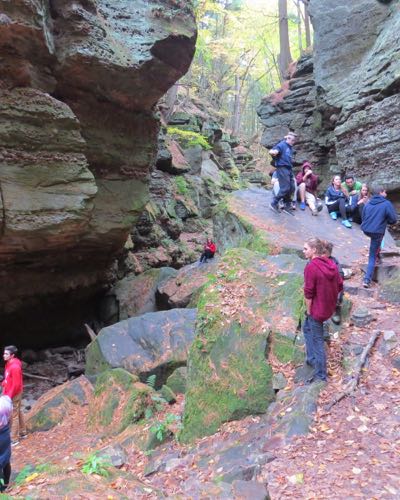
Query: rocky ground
x,y
298,449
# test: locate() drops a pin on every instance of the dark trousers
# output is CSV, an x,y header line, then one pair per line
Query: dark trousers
x,y
374,250
313,331
207,254
286,185
5,474
338,206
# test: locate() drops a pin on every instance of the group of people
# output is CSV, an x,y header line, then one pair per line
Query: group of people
x,y
348,199
12,424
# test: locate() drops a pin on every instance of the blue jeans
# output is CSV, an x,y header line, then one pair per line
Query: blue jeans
x,y
286,185
313,331
374,249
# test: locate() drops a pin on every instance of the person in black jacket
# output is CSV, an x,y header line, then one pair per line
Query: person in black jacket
x,y
377,214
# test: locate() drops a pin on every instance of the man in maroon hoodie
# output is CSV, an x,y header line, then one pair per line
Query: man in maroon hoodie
x,y
12,386
307,183
322,284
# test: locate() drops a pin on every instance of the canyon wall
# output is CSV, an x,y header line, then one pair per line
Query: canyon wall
x,y
78,135
343,100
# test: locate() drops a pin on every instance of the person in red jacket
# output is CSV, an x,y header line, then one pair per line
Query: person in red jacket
x,y
307,183
322,284
12,386
209,250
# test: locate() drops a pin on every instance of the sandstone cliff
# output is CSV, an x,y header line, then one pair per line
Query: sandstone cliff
x,y
346,106
77,138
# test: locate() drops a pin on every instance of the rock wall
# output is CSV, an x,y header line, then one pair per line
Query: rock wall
x,y
77,138
347,118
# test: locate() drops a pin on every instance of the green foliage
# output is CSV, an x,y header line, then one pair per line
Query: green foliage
x,y
96,465
151,380
23,474
188,139
181,185
162,429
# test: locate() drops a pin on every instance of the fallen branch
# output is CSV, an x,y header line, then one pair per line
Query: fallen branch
x,y
91,333
39,377
353,383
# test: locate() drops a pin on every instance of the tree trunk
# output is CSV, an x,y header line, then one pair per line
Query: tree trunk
x,y
299,31
236,107
285,57
307,25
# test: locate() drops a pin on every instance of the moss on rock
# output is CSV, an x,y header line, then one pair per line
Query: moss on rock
x,y
119,400
250,301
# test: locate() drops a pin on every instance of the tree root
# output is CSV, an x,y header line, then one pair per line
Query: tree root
x,y
351,386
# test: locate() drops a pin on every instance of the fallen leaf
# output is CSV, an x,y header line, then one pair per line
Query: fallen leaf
x,y
296,478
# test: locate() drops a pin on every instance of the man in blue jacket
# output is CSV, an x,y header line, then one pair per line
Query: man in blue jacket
x,y
283,156
377,214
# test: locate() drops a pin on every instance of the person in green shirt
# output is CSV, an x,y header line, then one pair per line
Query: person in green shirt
x,y
350,186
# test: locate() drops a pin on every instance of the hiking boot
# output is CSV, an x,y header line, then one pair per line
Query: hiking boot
x,y
274,208
367,284
302,206
347,223
333,215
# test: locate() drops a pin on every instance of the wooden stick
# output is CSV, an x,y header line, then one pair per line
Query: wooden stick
x,y
39,377
353,383
91,333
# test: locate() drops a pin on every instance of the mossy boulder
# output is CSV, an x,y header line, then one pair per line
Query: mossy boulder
x,y
390,289
154,343
119,400
177,380
54,405
250,305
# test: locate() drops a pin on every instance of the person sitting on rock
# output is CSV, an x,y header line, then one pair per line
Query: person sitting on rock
x,y
275,190
5,441
350,186
336,200
327,252
357,203
308,183
209,250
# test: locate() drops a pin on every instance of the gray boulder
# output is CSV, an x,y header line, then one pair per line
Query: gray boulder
x,y
154,343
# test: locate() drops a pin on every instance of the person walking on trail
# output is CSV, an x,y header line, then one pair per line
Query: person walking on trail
x,y
322,284
283,162
336,201
307,183
350,186
5,441
12,386
377,214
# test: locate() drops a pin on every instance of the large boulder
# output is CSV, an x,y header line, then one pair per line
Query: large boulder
x,y
51,408
179,289
250,306
136,295
119,400
154,343
74,167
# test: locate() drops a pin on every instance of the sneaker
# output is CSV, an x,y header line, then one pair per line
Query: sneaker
x,y
320,205
367,284
346,223
274,208
350,219
23,436
294,205
333,215
302,206
336,319
314,212
14,443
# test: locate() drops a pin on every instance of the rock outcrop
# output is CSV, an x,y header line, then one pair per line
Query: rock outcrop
x,y
346,107
77,138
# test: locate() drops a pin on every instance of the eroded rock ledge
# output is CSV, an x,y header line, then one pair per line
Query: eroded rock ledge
x,y
77,137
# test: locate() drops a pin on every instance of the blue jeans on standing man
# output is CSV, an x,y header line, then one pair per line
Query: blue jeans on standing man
x,y
286,186
315,347
374,249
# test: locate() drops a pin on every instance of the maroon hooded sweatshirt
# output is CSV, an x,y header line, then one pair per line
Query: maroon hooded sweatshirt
x,y
322,284
312,180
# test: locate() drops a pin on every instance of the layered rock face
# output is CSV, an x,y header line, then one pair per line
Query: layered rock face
x,y
353,107
77,138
